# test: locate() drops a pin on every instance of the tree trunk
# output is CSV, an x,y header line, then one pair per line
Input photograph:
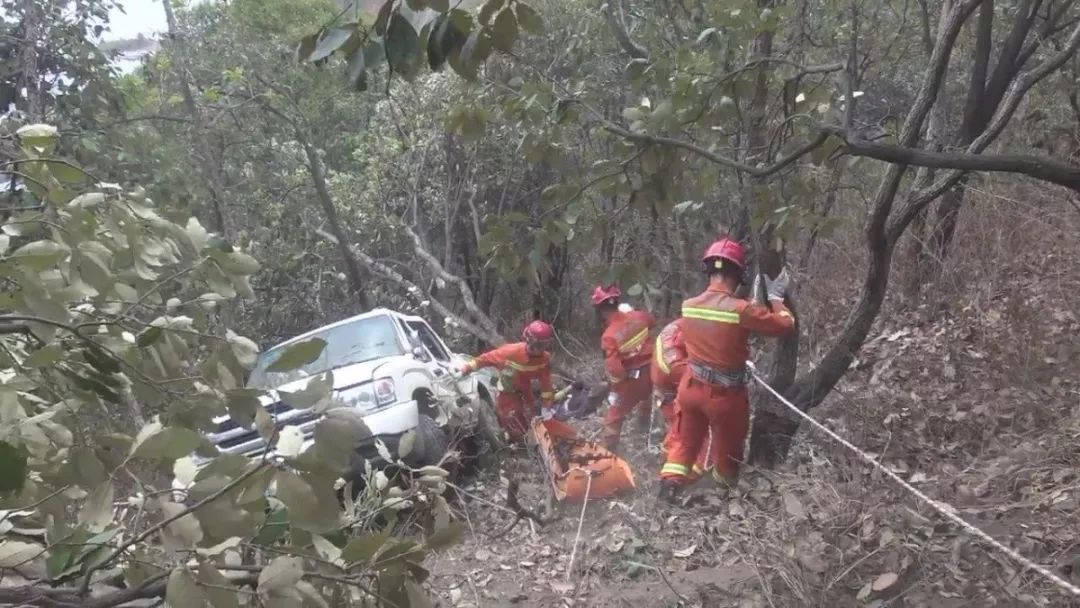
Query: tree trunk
x,y
352,265
28,60
212,168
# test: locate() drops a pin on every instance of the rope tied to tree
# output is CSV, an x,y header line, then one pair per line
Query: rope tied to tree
x,y
946,510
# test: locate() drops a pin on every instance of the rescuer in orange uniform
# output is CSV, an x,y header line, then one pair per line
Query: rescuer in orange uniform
x,y
712,394
628,348
668,366
519,364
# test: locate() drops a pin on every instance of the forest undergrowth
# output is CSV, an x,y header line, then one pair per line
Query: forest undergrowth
x,y
972,395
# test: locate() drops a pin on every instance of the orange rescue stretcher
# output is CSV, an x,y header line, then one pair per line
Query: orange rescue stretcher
x,y
570,461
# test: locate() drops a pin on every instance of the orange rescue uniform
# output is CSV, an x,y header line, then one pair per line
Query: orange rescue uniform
x,y
628,349
517,370
712,393
668,366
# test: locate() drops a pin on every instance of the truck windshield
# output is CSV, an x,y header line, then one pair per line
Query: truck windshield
x,y
354,342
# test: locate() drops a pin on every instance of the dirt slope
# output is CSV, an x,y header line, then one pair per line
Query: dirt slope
x,y
974,398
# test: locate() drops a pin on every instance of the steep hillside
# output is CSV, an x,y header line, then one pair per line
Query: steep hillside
x,y
974,399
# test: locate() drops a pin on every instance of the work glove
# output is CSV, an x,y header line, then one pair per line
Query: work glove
x,y
464,370
777,288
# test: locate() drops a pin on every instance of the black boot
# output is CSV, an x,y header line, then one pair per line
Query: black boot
x,y
669,492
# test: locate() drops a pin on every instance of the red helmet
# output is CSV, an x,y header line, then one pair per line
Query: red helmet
x,y
603,295
538,331
726,249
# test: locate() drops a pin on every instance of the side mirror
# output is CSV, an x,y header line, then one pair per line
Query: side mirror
x,y
419,353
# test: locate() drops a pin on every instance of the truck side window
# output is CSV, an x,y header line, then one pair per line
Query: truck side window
x,y
427,337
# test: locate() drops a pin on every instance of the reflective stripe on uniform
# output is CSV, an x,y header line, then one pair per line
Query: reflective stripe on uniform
x,y
634,341
672,468
709,314
660,356
521,367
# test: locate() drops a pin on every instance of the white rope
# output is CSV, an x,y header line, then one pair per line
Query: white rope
x,y
944,509
581,520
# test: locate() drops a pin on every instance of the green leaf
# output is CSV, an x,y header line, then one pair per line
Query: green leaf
x,y
383,17
356,71
87,468
40,255
217,588
528,19
440,5
312,506
17,553
67,173
490,8
360,550
505,31
40,136
97,510
44,356
238,263
330,41
184,532
337,434
416,5
245,350
446,536
316,392
416,595
306,47
149,336
277,524
169,443
242,404
281,573
477,48
436,47
403,51
182,591
12,467
298,355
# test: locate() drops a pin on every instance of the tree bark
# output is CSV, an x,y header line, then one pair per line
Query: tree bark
x,y
28,59
811,389
212,171
353,271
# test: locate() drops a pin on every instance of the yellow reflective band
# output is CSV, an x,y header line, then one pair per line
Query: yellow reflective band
x,y
660,356
635,341
521,367
674,469
708,314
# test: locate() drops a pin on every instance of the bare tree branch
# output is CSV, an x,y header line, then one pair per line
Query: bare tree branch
x,y
618,30
1038,167
389,273
466,293
760,171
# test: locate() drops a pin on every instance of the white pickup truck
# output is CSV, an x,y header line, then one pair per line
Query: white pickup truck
x,y
396,370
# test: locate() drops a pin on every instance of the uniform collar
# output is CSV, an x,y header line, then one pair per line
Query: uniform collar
x,y
718,288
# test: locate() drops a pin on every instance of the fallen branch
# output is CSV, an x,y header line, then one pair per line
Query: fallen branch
x,y
165,522
522,513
